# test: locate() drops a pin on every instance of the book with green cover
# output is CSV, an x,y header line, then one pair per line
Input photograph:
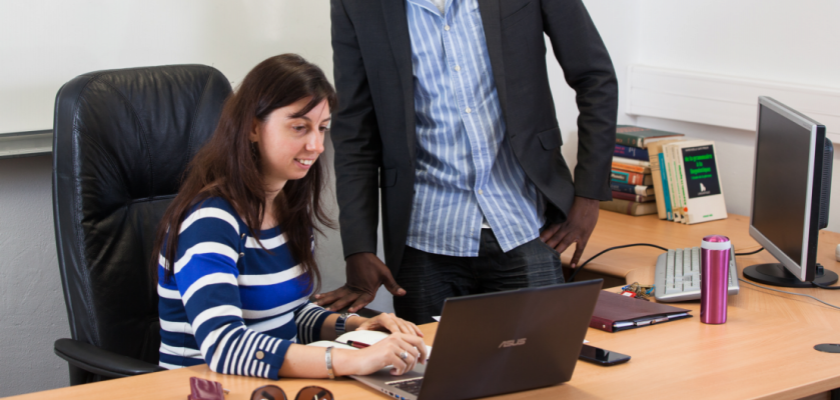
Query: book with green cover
x,y
629,135
701,189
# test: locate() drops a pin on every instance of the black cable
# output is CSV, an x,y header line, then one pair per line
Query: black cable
x,y
751,253
795,294
580,267
821,286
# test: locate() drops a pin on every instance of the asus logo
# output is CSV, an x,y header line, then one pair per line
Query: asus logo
x,y
512,343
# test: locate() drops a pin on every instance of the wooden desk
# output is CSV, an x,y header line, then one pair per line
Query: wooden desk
x,y
637,264
765,350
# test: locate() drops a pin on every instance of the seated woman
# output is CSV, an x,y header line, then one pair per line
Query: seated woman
x,y
235,281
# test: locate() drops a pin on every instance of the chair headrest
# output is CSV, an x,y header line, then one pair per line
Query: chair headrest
x,y
138,128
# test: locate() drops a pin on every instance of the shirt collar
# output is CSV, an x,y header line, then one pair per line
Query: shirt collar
x,y
427,4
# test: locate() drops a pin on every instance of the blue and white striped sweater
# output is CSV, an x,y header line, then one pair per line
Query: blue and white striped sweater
x,y
230,303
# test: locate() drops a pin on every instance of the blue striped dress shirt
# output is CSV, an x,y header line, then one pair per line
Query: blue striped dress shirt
x,y
232,304
466,171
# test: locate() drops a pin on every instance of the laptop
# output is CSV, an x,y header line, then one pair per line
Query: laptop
x,y
502,342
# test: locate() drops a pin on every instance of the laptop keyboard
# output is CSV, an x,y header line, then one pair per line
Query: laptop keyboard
x,y
409,385
678,275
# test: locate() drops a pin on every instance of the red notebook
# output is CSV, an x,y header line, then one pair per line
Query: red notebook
x,y
614,312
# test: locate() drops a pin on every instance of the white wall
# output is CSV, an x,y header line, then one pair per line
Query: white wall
x,y
46,43
782,41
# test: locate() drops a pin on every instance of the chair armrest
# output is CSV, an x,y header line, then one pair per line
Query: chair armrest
x,y
102,362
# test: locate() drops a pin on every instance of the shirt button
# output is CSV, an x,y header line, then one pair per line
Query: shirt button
x,y
260,355
468,110
457,67
243,236
480,191
241,255
446,28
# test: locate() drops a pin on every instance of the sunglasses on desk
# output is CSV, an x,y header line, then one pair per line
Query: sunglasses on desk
x,y
273,392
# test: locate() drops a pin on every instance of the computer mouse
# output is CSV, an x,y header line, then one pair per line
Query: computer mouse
x,y
837,253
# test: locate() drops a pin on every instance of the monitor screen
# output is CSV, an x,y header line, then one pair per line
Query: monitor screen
x,y
791,186
782,179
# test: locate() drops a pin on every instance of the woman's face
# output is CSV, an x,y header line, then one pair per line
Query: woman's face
x,y
289,146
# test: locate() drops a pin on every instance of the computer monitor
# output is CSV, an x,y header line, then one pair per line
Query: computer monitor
x,y
790,198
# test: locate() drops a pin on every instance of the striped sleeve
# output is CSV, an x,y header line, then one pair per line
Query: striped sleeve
x,y
206,274
309,319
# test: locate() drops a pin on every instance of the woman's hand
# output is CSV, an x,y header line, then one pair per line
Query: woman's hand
x,y
389,323
389,351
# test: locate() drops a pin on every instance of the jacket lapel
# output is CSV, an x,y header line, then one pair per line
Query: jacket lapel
x,y
491,19
396,23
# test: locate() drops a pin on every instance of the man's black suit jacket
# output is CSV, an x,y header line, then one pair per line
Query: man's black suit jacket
x,y
373,130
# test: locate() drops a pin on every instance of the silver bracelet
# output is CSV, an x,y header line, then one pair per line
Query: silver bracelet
x,y
330,372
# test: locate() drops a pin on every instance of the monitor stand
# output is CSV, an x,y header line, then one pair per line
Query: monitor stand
x,y
777,275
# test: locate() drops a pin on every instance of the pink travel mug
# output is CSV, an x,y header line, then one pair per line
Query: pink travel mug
x,y
714,281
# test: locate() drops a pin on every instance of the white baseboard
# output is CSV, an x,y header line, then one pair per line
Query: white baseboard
x,y
721,100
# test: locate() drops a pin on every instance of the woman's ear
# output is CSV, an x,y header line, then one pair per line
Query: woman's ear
x,y
256,128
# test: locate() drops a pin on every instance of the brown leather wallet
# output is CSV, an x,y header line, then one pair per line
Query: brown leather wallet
x,y
202,389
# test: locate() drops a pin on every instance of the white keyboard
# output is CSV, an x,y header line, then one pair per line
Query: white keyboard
x,y
678,275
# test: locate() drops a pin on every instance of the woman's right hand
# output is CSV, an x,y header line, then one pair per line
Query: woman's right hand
x,y
382,354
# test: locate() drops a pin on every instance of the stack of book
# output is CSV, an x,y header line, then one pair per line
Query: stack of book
x,y
657,172
631,181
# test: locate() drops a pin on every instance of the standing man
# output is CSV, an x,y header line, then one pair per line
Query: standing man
x,y
445,107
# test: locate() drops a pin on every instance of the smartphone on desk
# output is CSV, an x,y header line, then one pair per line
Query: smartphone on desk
x,y
601,356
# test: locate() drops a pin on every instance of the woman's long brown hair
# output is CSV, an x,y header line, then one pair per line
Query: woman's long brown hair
x,y
228,166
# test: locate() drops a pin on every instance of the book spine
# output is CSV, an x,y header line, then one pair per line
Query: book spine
x,y
656,175
666,191
674,183
627,207
630,168
682,187
630,161
638,209
672,180
631,152
620,177
626,139
633,197
623,187
632,178
600,323
616,205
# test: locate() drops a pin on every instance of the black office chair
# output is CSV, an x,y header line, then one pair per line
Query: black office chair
x,y
122,141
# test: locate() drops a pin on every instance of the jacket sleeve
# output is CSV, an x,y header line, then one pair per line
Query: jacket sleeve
x,y
589,71
355,136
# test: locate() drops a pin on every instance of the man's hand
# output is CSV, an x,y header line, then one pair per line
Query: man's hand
x,y
365,272
389,323
578,227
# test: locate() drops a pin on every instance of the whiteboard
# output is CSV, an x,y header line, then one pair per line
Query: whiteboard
x,y
44,44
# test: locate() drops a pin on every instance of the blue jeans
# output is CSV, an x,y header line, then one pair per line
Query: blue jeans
x,y
429,279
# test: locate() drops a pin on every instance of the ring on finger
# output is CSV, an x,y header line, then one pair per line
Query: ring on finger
x,y
404,355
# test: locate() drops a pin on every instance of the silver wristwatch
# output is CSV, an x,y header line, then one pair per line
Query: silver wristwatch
x,y
340,326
